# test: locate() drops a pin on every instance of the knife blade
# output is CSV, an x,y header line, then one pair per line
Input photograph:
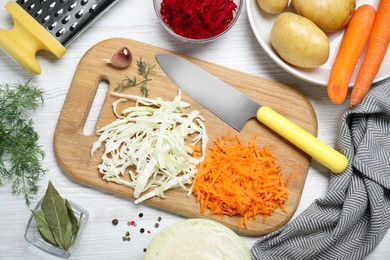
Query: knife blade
x,y
236,109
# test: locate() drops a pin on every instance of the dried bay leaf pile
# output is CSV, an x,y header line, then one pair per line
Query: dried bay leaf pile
x,y
56,220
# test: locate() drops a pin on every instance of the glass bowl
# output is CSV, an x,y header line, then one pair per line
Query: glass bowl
x,y
33,236
236,14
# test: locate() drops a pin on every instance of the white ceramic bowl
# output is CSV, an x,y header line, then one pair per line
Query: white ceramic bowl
x,y
261,24
236,14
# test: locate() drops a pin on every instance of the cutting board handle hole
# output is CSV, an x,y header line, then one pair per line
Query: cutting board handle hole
x,y
96,107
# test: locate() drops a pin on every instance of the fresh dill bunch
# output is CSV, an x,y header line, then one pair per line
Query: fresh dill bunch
x,y
144,69
20,155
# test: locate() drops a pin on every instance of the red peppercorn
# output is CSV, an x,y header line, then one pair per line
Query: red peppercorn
x,y
131,223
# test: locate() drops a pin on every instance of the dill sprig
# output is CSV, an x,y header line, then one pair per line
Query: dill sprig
x,y
20,154
144,69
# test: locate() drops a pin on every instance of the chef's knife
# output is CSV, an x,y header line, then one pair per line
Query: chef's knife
x,y
236,109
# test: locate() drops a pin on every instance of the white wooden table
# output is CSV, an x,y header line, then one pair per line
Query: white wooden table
x,y
136,19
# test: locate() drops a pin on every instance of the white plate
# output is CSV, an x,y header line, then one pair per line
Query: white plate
x,y
261,24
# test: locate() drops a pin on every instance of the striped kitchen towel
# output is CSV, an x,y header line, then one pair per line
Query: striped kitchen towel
x,y
354,216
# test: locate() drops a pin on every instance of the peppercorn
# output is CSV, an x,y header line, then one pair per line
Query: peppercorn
x,y
156,225
124,238
140,215
159,219
132,223
127,233
115,221
142,230
144,249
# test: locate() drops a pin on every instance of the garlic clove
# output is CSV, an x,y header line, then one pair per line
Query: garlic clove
x,y
121,58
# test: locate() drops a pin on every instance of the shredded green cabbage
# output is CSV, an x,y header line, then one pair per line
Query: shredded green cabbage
x,y
152,141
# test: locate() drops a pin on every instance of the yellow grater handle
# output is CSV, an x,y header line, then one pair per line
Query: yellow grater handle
x,y
26,38
320,151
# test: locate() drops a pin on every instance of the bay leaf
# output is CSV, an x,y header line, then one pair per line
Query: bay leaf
x,y
43,226
68,236
57,215
73,219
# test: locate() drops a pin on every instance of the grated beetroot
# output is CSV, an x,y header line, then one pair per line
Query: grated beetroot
x,y
197,19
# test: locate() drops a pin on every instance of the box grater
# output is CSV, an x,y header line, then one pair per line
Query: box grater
x,y
47,25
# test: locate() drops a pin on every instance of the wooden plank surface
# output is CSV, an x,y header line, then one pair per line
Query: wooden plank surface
x,y
72,147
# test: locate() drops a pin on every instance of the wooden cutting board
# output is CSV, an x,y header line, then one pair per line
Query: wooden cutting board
x,y
72,146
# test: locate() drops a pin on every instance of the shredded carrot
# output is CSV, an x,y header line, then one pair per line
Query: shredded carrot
x,y
196,150
352,46
376,52
237,179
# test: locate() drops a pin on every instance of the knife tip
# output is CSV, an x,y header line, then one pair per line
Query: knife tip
x,y
159,55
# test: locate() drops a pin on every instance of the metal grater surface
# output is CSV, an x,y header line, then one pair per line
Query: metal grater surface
x,y
65,19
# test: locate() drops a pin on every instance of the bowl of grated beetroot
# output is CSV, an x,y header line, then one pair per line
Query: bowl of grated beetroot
x,y
197,21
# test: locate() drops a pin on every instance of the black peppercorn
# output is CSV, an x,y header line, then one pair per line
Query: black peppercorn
x,y
142,230
140,215
115,222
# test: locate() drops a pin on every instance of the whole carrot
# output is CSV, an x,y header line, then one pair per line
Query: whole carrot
x,y
351,48
376,51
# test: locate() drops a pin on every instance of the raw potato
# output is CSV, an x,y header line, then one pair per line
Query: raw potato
x,y
329,15
299,41
272,6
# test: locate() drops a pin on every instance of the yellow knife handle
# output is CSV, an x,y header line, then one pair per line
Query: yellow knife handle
x,y
26,38
314,147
